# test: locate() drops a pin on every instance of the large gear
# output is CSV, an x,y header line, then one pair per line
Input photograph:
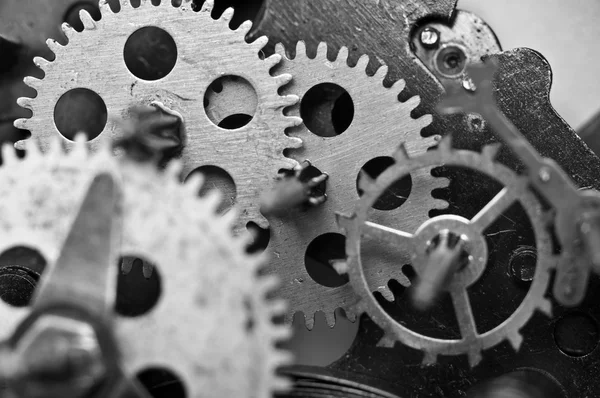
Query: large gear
x,y
379,118
207,49
207,278
515,190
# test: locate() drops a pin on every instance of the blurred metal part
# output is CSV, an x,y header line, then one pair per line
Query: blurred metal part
x,y
252,155
471,342
215,283
590,133
521,383
378,118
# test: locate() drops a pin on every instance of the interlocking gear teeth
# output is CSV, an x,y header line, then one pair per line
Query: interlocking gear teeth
x,y
342,158
472,343
259,146
43,185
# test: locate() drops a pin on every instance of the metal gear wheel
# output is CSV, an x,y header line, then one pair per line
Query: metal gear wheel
x,y
515,189
378,118
207,49
207,278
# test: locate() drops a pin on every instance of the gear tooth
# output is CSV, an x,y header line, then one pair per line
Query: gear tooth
x,y
230,218
330,318
386,341
281,384
80,149
21,145
55,146
213,199
282,80
260,43
194,183
41,63
277,307
273,60
268,283
343,221
53,45
350,315
227,14
294,142
424,121
342,56
32,148
309,321
68,30
363,61
515,339
474,357
429,358
322,50
280,49
288,100
300,48
88,21
21,123
208,6
244,28
413,102
174,169
490,151
401,154
9,155
147,270
386,293
25,102
445,145
545,306
32,82
104,7
440,204
399,86
381,72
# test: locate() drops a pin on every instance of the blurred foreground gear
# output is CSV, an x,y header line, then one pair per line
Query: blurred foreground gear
x,y
350,119
81,213
118,62
472,342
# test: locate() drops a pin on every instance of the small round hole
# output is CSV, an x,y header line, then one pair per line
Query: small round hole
x,y
230,102
150,53
162,383
320,253
217,178
522,264
80,111
327,110
262,236
451,61
576,334
395,195
136,294
72,15
20,270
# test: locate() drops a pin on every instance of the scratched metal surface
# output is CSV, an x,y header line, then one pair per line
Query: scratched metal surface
x,y
381,29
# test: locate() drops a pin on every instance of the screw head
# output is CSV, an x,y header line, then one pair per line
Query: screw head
x,y
430,37
58,356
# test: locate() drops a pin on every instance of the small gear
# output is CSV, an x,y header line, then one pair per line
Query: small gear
x,y
516,189
207,50
207,278
378,119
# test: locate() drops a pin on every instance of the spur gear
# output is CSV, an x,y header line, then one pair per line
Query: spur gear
x,y
207,50
515,189
378,118
207,278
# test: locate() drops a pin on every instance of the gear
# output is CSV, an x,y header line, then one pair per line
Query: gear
x,y
515,189
378,118
212,283
207,49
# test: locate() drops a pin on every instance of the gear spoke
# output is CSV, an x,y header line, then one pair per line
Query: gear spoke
x,y
464,314
387,234
498,205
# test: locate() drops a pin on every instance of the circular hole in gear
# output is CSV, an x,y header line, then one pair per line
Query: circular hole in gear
x,y
80,111
72,15
20,271
451,61
318,257
150,53
217,178
230,102
136,294
161,383
395,195
327,110
576,334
